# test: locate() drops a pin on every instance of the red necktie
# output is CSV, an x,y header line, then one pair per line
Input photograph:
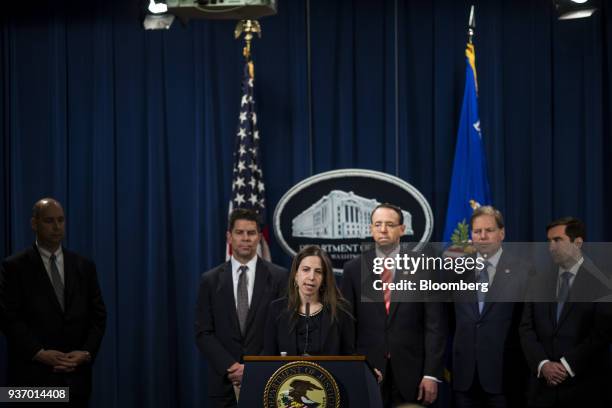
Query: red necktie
x,y
386,278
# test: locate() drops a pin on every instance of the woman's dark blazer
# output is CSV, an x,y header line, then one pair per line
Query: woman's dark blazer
x,y
337,338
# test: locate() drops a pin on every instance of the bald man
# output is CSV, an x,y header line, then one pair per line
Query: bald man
x,y
51,310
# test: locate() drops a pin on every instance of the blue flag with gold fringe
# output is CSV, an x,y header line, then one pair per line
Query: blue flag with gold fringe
x,y
469,183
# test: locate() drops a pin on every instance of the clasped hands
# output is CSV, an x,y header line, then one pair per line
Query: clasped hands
x,y
554,373
234,373
62,362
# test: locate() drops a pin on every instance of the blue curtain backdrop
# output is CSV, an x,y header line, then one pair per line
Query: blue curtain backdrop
x,y
133,131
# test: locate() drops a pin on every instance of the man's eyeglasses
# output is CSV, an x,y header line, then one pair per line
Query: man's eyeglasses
x,y
389,225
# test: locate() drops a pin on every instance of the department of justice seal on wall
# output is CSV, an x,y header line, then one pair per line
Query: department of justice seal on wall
x,y
301,384
333,209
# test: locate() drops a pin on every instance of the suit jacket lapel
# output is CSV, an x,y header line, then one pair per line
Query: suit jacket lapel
x,y
578,287
69,279
367,279
552,293
471,297
287,343
500,283
261,280
226,288
392,310
395,298
567,307
41,274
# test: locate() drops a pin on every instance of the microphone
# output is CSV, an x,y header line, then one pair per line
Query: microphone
x,y
307,321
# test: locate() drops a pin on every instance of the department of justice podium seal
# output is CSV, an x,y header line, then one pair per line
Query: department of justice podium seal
x,y
301,384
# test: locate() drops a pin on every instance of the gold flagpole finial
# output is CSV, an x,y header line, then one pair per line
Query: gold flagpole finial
x,y
249,28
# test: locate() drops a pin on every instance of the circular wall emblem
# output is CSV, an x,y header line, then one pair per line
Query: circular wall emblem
x,y
332,210
301,384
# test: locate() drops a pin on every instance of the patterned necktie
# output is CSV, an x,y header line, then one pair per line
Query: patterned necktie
x,y
242,301
386,278
483,277
56,281
563,292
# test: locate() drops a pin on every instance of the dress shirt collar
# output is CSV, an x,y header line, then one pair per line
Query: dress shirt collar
x,y
574,269
252,264
47,254
394,252
491,264
250,275
493,259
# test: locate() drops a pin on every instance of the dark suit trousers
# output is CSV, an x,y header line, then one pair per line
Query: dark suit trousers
x,y
391,395
227,400
476,397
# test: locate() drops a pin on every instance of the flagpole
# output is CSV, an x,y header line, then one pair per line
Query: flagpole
x,y
471,24
469,52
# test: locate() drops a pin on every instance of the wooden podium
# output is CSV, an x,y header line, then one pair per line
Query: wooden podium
x,y
356,384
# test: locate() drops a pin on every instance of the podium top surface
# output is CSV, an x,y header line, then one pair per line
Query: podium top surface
x,y
304,358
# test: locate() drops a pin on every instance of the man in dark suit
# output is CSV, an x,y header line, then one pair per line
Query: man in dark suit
x,y
488,366
403,341
52,310
568,358
232,303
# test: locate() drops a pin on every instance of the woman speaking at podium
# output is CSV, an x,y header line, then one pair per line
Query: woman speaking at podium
x,y
314,318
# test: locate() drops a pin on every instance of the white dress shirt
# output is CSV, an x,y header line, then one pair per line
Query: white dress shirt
x,y
573,271
250,273
394,252
493,260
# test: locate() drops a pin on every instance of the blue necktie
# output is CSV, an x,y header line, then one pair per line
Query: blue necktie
x,y
483,277
563,292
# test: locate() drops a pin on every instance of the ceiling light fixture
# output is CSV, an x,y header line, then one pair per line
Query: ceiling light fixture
x,y
573,9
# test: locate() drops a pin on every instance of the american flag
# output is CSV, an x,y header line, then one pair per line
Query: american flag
x,y
247,176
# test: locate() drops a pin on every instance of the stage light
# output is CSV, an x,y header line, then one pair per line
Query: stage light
x,y
158,21
157,8
572,9
157,16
